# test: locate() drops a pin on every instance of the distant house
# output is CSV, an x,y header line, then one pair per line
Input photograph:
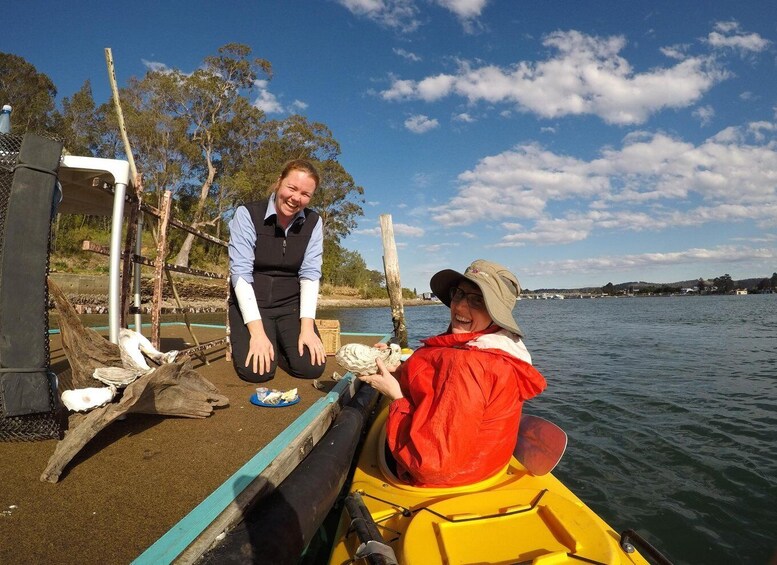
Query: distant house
x,y
741,291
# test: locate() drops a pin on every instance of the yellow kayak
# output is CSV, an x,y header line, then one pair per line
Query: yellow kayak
x,y
512,517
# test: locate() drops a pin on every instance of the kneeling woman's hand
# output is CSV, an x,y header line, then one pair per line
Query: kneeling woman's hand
x,y
384,382
309,339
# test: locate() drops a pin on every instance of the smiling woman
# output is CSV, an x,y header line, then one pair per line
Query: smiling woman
x,y
275,255
456,403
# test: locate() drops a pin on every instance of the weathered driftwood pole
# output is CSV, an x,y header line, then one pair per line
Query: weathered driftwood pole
x,y
159,266
393,282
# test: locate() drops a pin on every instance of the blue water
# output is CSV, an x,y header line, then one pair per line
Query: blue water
x,y
670,405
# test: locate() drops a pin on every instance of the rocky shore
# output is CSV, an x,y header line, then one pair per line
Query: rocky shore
x,y
89,295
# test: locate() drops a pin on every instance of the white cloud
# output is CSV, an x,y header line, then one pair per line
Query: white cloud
x,y
704,114
678,52
156,66
586,76
438,247
464,9
463,117
422,180
730,35
399,229
651,182
401,15
410,231
268,103
407,55
645,261
266,100
420,123
759,130
467,11
548,231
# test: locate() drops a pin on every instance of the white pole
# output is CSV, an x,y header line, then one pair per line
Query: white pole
x,y
114,281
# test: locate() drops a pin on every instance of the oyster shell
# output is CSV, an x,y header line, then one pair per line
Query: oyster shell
x,y
360,359
84,399
132,347
116,375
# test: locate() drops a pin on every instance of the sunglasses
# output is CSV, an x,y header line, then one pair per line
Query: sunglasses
x,y
475,301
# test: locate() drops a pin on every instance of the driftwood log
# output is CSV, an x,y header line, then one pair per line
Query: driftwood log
x,y
84,348
173,389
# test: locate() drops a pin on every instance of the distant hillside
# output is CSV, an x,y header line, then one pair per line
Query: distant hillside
x,y
748,284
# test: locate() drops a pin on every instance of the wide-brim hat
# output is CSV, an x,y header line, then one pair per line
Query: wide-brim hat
x,y
499,286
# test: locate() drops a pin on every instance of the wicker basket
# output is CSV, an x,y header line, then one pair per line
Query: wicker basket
x,y
330,335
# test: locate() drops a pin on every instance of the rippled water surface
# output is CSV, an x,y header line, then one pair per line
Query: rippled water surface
x,y
670,405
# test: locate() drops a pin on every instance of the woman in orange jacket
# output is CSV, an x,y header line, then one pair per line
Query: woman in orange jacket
x,y
456,403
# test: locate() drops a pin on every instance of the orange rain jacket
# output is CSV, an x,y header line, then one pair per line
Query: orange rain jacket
x,y
458,421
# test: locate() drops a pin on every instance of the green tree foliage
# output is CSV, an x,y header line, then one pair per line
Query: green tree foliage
x,y
774,281
343,267
30,93
724,284
338,200
609,288
199,136
81,126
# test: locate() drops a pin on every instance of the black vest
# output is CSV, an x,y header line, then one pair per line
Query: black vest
x,y
277,256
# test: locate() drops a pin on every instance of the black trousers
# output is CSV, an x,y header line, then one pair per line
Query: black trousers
x,y
282,326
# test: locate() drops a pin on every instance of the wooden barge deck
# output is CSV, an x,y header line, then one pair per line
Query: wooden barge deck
x,y
145,485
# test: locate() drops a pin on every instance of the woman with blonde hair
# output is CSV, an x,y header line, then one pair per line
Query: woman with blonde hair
x,y
275,257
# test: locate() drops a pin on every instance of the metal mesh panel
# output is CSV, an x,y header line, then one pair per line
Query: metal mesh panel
x,y
33,427
44,425
9,152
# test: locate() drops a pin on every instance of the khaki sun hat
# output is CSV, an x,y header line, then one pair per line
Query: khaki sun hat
x,y
499,286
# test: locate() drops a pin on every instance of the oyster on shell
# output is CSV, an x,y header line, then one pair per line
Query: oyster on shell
x,y
132,348
360,359
84,399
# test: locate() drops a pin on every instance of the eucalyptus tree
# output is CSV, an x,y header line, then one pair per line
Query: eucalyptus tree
x,y
157,136
30,93
81,126
210,100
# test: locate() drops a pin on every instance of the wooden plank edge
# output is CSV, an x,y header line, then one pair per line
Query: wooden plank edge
x,y
278,469
198,531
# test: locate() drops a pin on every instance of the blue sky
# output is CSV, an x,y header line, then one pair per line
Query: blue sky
x,y
575,142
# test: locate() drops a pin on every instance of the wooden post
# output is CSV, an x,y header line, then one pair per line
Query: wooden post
x,y
393,283
185,315
159,266
228,353
127,265
119,113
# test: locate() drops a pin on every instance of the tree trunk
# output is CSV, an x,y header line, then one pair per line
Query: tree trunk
x,y
182,259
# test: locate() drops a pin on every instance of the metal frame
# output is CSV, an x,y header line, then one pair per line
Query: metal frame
x,y
82,179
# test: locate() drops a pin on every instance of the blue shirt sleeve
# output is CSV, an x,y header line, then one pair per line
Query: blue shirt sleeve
x,y
242,241
311,262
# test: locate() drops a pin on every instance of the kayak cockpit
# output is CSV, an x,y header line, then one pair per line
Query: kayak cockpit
x,y
512,516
